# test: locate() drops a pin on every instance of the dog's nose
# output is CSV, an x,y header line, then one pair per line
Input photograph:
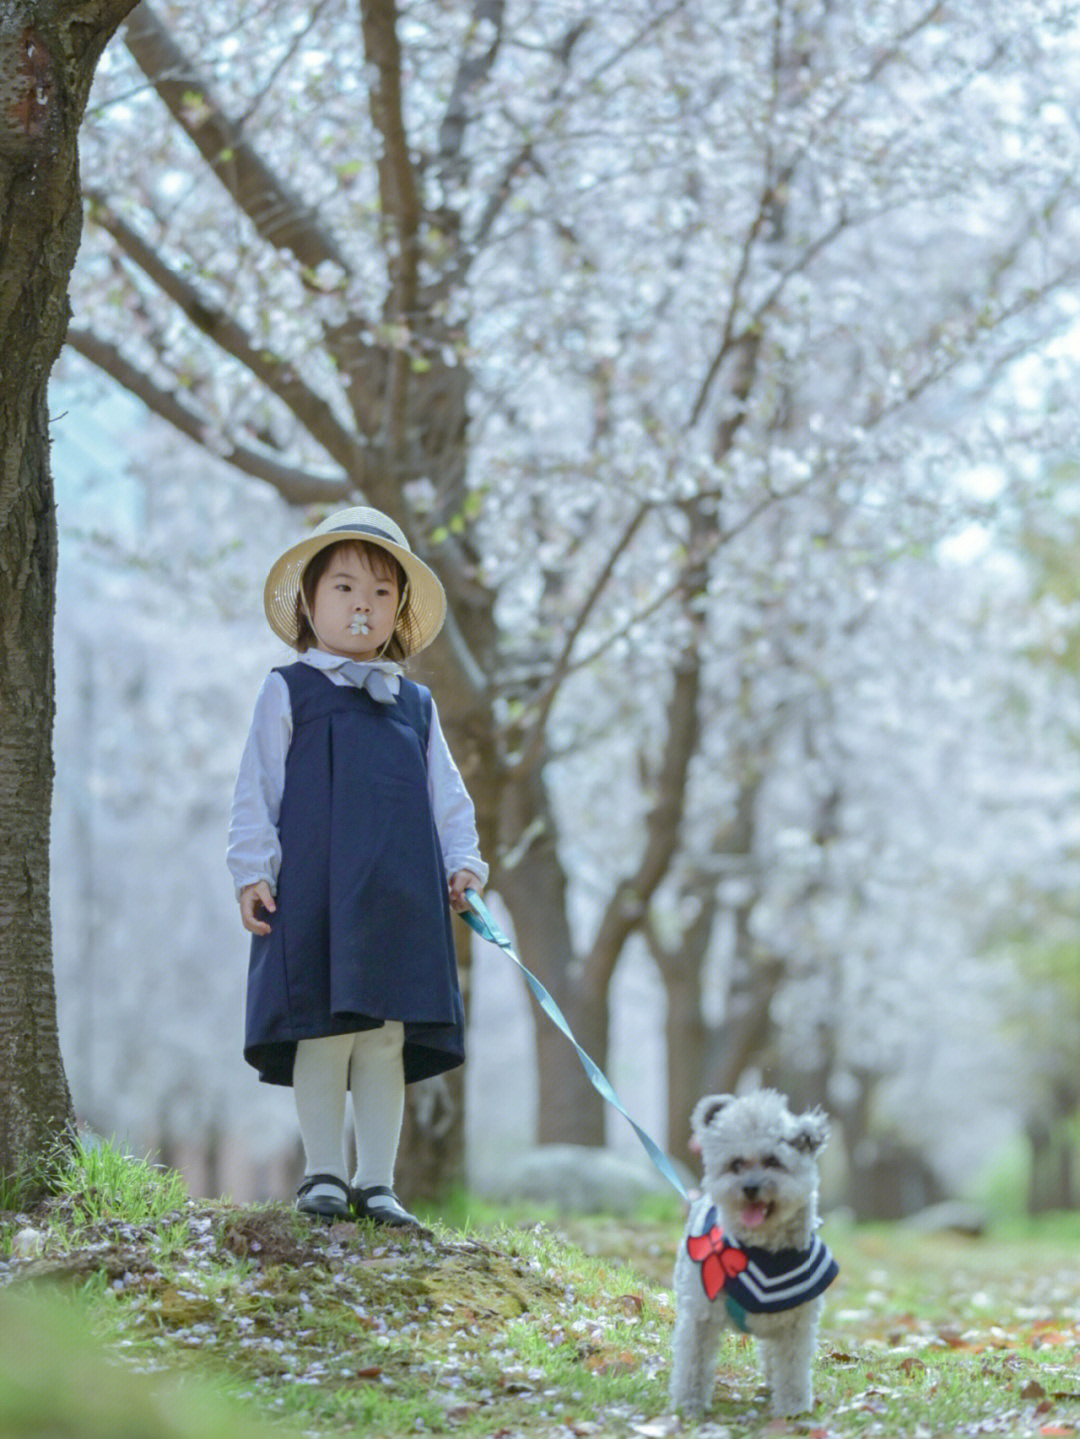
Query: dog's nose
x,y
751,1191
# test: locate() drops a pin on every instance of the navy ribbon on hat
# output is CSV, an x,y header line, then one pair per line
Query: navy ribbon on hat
x,y
365,530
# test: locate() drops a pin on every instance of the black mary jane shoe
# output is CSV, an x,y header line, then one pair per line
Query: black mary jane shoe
x,y
324,1206
390,1212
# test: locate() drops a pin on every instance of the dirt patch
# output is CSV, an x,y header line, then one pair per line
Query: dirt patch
x,y
269,1236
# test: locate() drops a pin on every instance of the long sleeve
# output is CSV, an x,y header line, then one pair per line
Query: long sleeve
x,y
455,817
254,851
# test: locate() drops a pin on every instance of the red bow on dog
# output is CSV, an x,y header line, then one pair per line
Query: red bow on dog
x,y
719,1260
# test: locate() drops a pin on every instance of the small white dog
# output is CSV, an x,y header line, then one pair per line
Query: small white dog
x,y
751,1258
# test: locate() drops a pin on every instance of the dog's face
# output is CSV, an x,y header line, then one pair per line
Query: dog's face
x,y
760,1164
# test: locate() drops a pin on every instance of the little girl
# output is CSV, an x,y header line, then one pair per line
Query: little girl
x,y
349,815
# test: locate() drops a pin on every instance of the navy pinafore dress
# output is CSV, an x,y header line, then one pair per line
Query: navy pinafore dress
x,y
362,930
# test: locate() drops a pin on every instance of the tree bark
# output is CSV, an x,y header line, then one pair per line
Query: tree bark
x,y
686,1039
1050,1186
686,1033
1054,1178
48,53
532,883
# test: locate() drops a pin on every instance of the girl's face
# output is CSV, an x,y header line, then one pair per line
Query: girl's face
x,y
354,608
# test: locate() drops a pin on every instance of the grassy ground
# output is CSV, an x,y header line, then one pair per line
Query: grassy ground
x,y
130,1310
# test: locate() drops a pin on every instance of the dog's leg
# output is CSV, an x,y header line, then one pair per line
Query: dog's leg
x,y
766,1352
789,1365
693,1352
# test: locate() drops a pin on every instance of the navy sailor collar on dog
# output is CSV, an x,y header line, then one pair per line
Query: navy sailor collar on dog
x,y
754,1280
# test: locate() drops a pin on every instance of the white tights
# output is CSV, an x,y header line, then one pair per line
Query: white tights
x,y
370,1064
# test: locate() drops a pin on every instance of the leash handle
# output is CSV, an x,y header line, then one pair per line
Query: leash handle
x,y
479,918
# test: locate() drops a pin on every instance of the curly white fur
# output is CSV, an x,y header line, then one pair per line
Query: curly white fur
x,y
760,1171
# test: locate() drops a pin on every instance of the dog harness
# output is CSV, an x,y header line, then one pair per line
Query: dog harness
x,y
754,1280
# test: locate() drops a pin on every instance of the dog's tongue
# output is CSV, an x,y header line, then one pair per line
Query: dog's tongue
x,y
755,1214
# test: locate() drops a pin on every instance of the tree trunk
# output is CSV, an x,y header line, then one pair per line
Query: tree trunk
x,y
743,1038
431,1155
1054,1179
686,1034
703,1058
686,1037
48,52
533,886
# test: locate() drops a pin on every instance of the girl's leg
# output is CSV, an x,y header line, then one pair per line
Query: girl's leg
x,y
377,1079
319,1080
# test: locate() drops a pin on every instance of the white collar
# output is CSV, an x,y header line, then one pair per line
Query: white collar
x,y
324,660
357,671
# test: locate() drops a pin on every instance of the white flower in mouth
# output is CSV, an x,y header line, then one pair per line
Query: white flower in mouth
x,y
359,625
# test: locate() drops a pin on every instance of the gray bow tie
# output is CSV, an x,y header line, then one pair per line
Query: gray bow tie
x,y
375,681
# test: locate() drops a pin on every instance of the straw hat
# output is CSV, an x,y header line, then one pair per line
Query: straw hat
x,y
426,610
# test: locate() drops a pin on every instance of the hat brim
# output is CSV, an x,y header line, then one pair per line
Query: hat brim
x,y
426,609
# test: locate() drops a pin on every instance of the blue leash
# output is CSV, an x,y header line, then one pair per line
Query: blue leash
x,y
479,919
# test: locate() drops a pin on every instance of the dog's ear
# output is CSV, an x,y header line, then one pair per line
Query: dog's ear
x,y
811,1131
706,1110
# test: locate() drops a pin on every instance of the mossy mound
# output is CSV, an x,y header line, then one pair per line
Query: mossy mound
x,y
348,1325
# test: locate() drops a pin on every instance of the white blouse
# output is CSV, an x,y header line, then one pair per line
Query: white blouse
x,y
254,851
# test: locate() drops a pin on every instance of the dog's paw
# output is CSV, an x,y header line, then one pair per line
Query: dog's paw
x,y
791,1406
688,1402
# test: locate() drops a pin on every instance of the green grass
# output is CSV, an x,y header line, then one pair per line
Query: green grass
x,y
102,1183
15,1191
91,1181
499,1325
471,1213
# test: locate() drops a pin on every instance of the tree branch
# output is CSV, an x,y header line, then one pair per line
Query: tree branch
x,y
473,69
727,336
686,956
748,340
633,42
496,203
627,909
107,13
532,747
705,553
523,156
296,485
278,375
400,205
298,42
279,215
628,906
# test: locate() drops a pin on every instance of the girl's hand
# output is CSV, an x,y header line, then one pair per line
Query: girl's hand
x,y
253,898
460,881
